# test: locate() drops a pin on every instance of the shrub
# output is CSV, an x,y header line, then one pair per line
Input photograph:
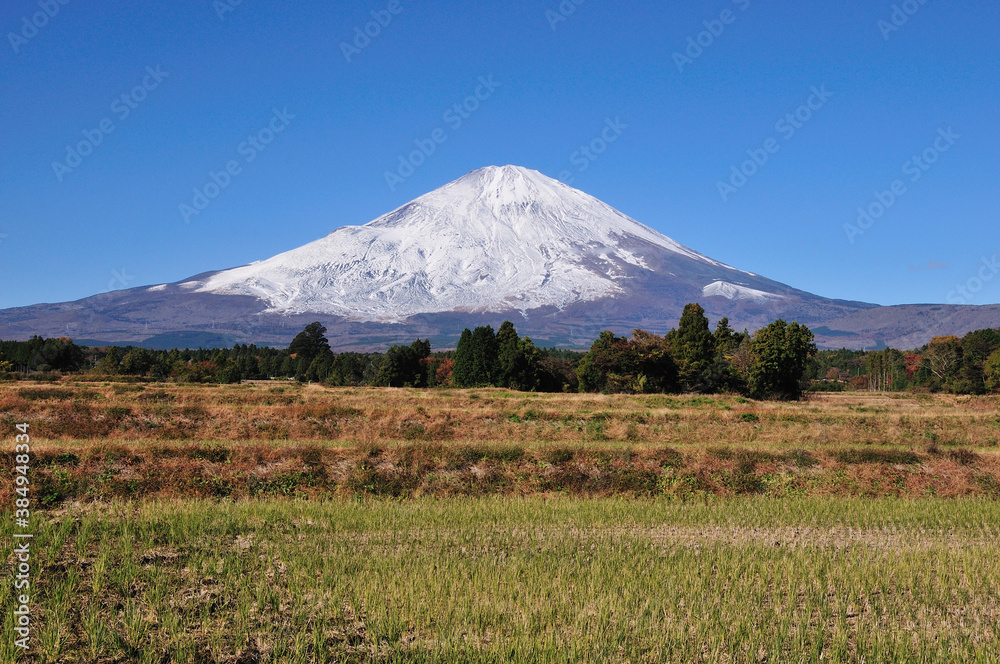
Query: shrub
x,y
54,394
801,459
472,455
117,413
668,457
560,455
857,456
964,457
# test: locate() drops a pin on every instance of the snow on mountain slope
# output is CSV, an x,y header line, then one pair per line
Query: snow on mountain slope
x,y
737,292
497,239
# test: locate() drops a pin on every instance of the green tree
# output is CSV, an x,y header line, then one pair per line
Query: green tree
x,y
508,353
320,367
483,357
348,369
740,362
977,346
302,365
693,349
461,374
309,343
137,362
595,366
161,369
528,373
726,339
403,366
518,360
57,354
618,364
725,374
778,355
657,371
991,370
230,373
111,362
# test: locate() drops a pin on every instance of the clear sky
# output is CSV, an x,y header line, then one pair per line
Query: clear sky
x,y
183,85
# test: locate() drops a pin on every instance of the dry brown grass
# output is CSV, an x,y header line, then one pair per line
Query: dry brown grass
x,y
102,440
296,413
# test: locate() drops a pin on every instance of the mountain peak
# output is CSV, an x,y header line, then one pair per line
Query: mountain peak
x,y
499,238
505,184
506,171
495,243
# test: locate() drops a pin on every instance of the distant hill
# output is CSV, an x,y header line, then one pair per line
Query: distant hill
x,y
170,340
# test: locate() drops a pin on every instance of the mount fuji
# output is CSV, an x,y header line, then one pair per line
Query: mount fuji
x,y
499,242
499,239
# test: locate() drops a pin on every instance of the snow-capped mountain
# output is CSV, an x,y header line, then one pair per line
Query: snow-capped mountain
x,y
498,239
499,242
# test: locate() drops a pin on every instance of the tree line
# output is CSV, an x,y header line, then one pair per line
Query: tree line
x,y
966,365
778,361
693,358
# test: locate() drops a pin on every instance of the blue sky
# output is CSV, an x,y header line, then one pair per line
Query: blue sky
x,y
199,78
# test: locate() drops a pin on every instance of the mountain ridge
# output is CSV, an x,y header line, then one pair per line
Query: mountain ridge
x,y
499,242
498,238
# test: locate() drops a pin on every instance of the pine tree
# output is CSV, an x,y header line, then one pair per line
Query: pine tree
x,y
462,372
111,362
519,361
309,343
403,366
693,349
485,356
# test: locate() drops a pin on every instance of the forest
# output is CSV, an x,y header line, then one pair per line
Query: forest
x,y
778,361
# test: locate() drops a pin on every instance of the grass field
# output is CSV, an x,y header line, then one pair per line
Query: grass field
x,y
523,580
288,523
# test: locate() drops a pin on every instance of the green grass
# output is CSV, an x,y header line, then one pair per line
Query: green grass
x,y
517,580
